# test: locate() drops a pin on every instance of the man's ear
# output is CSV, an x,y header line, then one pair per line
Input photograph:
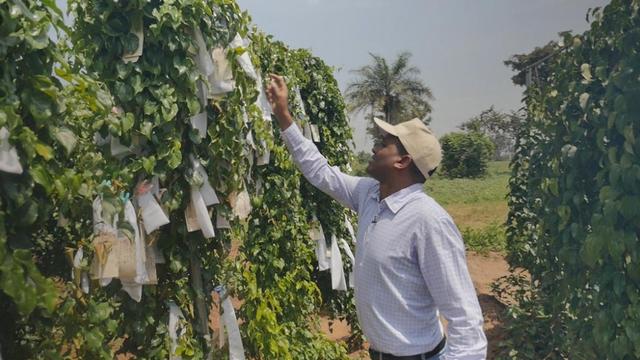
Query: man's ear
x,y
404,162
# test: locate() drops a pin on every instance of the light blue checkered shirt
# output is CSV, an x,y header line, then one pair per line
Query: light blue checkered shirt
x,y
410,263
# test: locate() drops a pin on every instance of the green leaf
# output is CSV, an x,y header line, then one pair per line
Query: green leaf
x,y
146,128
175,155
130,43
592,249
41,176
40,106
136,83
37,38
149,163
66,138
28,214
44,150
123,91
127,122
117,24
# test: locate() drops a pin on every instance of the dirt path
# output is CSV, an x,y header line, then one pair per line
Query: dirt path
x,y
484,269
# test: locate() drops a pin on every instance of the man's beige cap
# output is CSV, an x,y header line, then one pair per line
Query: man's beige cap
x,y
419,141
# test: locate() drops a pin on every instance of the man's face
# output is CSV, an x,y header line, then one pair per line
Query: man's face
x,y
385,155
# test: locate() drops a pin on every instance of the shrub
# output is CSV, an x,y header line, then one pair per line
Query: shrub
x,y
465,154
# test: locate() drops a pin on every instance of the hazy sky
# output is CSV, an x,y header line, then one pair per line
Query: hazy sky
x,y
458,45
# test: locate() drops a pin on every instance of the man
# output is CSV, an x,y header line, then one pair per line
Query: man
x,y
410,262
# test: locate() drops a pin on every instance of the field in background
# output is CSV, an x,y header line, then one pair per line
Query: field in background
x,y
478,206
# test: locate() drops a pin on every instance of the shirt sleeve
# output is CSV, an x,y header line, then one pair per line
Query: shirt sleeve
x,y
346,189
442,261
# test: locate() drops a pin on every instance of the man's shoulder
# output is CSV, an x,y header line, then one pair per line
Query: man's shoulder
x,y
368,185
427,209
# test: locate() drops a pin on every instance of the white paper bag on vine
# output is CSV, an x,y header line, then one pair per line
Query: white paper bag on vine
x,y
9,160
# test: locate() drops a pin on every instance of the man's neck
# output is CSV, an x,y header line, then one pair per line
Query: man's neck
x,y
390,187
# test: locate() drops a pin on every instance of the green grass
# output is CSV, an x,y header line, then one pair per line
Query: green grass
x,y
478,206
491,188
490,238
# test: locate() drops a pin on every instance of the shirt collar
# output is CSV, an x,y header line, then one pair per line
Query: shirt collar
x,y
398,199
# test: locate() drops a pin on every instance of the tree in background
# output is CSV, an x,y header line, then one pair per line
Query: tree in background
x,y
393,91
360,162
520,63
500,127
465,155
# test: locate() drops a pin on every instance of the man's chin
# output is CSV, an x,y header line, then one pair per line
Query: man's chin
x,y
370,171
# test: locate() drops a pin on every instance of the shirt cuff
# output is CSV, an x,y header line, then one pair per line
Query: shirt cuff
x,y
292,136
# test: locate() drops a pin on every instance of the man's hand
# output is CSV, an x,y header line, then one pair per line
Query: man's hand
x,y
278,96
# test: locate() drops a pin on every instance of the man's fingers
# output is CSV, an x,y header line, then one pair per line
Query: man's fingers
x,y
278,80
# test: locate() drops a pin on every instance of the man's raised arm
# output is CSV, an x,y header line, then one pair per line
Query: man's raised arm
x,y
344,188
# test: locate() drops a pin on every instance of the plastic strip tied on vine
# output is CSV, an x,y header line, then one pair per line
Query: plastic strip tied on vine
x,y
175,329
153,216
244,60
77,271
316,233
338,281
236,349
133,277
104,266
202,195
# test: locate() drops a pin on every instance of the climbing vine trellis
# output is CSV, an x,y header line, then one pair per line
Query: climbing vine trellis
x,y
92,149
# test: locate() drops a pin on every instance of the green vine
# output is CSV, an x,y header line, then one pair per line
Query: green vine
x,y
574,219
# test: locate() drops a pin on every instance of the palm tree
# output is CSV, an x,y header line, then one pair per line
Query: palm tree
x,y
394,92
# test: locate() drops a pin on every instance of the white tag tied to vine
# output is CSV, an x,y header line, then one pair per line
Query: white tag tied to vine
x,y
221,81
138,31
153,216
300,103
222,222
240,204
349,226
306,130
196,214
104,265
316,233
208,193
315,133
347,249
302,114
132,281
117,149
236,349
207,69
202,217
175,329
153,257
264,157
263,101
77,263
199,123
203,58
338,281
9,160
244,59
